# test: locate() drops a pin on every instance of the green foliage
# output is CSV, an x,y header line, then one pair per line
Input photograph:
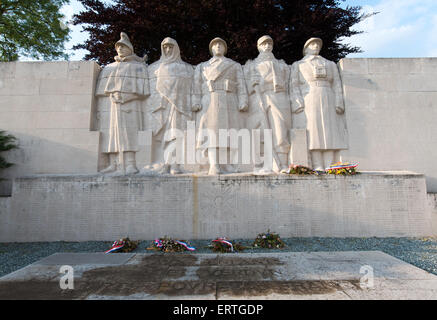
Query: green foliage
x,y
301,170
32,29
268,240
7,142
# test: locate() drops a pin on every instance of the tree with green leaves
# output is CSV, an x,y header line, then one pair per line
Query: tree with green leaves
x,y
240,22
32,29
7,142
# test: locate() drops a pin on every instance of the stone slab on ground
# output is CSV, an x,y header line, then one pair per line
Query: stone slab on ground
x,y
321,275
85,258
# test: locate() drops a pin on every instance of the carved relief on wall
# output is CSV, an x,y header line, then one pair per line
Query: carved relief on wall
x,y
173,100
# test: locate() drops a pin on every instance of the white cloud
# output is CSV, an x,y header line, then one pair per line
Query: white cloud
x,y
403,28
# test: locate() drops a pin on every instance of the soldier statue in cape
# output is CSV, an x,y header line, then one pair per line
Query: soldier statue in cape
x,y
126,83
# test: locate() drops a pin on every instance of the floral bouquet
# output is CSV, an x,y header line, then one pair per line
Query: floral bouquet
x,y
298,169
344,169
225,245
123,245
169,245
269,240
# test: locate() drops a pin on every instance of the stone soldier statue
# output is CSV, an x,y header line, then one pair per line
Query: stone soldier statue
x,y
126,83
268,84
170,101
318,95
220,88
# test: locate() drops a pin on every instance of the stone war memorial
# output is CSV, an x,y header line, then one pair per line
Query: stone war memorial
x,y
201,151
218,150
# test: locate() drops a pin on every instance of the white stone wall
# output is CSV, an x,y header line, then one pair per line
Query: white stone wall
x,y
391,110
432,207
5,208
49,107
79,208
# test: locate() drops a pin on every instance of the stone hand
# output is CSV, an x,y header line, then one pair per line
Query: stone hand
x,y
244,107
299,110
339,110
116,97
196,108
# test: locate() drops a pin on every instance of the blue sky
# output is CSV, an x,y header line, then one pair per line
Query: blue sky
x,y
403,28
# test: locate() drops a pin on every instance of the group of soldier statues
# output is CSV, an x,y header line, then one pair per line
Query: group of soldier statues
x,y
170,92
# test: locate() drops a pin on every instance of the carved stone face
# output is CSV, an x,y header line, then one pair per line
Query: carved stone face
x,y
123,51
168,49
218,48
313,48
266,46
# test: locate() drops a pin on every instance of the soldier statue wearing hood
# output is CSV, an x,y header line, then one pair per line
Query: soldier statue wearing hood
x,y
169,106
126,83
268,85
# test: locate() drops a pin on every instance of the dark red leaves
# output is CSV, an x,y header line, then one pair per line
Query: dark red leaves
x,y
240,22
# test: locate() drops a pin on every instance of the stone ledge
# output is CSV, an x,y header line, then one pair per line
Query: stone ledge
x,y
234,176
97,207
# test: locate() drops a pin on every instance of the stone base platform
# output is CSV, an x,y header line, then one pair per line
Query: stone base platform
x,y
239,206
319,275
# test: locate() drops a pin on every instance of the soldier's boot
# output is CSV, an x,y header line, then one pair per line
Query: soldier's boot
x,y
165,169
214,167
260,170
112,164
328,158
231,167
317,161
283,166
131,167
175,169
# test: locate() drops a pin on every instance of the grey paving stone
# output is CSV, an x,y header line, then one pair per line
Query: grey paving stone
x,y
289,275
86,258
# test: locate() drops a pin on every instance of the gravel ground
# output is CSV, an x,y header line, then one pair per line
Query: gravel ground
x,y
419,252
